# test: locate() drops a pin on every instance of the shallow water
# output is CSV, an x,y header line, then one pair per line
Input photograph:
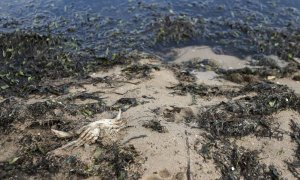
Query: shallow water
x,y
118,25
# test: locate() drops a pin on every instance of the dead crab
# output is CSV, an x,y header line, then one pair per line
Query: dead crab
x,y
89,133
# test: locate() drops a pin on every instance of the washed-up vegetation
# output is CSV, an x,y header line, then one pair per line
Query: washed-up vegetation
x,y
237,162
47,47
33,160
34,155
248,115
29,60
184,71
201,90
155,125
139,71
252,75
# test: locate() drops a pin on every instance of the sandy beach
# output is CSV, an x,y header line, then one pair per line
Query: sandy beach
x,y
163,138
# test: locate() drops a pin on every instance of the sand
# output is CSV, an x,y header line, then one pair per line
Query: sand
x,y
172,155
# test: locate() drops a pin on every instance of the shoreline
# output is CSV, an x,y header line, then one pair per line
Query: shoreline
x,y
165,107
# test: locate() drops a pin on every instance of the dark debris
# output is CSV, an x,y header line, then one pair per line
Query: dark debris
x,y
155,125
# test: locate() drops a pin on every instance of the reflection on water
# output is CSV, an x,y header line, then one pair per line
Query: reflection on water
x,y
132,24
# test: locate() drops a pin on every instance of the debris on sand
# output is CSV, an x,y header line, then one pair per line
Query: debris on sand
x,y
117,161
137,71
201,90
294,166
237,162
108,161
254,75
296,78
201,65
178,114
155,125
234,161
88,134
33,159
182,75
125,103
184,71
248,115
242,116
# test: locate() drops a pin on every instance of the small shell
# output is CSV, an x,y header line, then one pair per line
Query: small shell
x,y
61,134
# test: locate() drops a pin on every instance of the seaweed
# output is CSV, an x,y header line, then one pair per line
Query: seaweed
x,y
201,65
29,59
266,61
8,113
254,75
74,46
184,70
237,162
44,167
33,159
247,115
125,103
155,125
170,29
45,114
85,96
201,90
294,166
182,75
117,161
178,114
296,78
139,71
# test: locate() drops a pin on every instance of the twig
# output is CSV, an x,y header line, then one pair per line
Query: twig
x,y
119,93
135,137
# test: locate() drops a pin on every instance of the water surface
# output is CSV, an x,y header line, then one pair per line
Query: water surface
x,y
118,25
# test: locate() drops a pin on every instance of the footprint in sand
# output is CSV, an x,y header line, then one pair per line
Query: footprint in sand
x,y
165,174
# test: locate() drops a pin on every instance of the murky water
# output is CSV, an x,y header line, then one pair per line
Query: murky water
x,y
118,25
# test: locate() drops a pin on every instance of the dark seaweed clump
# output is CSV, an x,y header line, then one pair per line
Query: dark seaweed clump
x,y
174,29
201,90
296,78
125,103
237,162
47,113
139,71
252,75
282,43
181,74
116,161
33,158
155,125
184,71
27,59
247,115
201,65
